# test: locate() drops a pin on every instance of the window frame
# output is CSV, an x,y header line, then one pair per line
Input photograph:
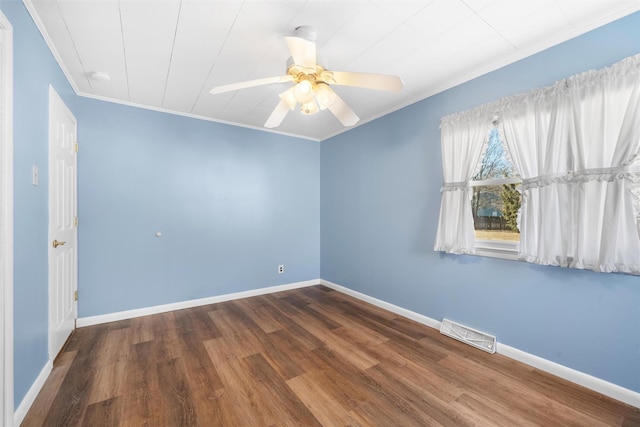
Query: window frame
x,y
496,248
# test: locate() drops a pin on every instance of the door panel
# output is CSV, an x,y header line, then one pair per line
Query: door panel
x,y
63,255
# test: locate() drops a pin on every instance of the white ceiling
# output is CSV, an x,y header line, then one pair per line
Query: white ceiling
x,y
166,55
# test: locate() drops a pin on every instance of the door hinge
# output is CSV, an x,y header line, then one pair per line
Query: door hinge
x,y
75,221
75,296
76,147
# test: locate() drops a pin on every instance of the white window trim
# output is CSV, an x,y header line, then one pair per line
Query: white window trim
x,y
497,249
501,249
496,181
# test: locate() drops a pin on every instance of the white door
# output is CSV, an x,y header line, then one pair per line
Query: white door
x,y
63,235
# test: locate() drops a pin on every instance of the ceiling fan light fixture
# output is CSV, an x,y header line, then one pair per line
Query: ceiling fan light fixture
x,y
289,98
312,83
303,92
324,95
310,107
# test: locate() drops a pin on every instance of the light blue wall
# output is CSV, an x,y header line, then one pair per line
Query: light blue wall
x,y
34,70
380,202
231,204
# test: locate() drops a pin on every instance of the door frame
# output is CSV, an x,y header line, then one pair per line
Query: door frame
x,y
6,223
53,96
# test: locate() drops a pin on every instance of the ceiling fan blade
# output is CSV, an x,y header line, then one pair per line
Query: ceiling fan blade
x,y
343,112
278,115
250,83
365,80
302,51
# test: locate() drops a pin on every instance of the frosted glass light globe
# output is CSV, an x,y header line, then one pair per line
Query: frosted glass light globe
x,y
303,92
310,107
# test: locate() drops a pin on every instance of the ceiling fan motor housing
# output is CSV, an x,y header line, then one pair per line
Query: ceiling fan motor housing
x,y
306,32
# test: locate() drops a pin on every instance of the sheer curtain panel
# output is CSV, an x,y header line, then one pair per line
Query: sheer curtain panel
x,y
537,137
606,140
463,138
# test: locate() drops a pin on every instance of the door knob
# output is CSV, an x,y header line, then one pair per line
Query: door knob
x,y
56,243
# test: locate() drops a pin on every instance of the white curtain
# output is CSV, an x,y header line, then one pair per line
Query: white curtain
x,y
535,133
606,111
463,139
576,145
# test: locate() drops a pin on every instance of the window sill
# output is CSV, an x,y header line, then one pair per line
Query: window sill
x,y
497,249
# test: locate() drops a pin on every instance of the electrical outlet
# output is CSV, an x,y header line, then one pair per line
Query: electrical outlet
x,y
280,269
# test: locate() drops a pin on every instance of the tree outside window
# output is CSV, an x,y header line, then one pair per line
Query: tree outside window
x,y
496,197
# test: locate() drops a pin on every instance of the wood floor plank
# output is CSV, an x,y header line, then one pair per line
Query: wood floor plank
x,y
415,351
587,401
544,406
178,406
300,334
141,329
328,410
305,310
501,395
423,408
360,337
198,321
375,322
379,402
201,375
111,365
488,412
408,369
290,410
281,361
165,336
50,389
260,316
104,414
302,357
242,404
143,398
71,401
236,340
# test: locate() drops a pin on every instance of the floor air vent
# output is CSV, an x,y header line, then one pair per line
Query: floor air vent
x,y
467,335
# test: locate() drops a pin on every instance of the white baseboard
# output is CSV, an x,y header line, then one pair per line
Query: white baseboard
x,y
614,391
606,388
30,397
383,304
129,314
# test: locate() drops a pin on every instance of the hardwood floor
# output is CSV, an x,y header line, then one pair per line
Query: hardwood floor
x,y
306,357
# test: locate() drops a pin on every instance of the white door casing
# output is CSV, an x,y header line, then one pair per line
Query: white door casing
x,y
6,221
63,235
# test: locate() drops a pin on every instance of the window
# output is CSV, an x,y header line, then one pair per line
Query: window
x,y
575,144
495,202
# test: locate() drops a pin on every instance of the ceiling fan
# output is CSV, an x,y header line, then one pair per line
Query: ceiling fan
x,y
312,88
